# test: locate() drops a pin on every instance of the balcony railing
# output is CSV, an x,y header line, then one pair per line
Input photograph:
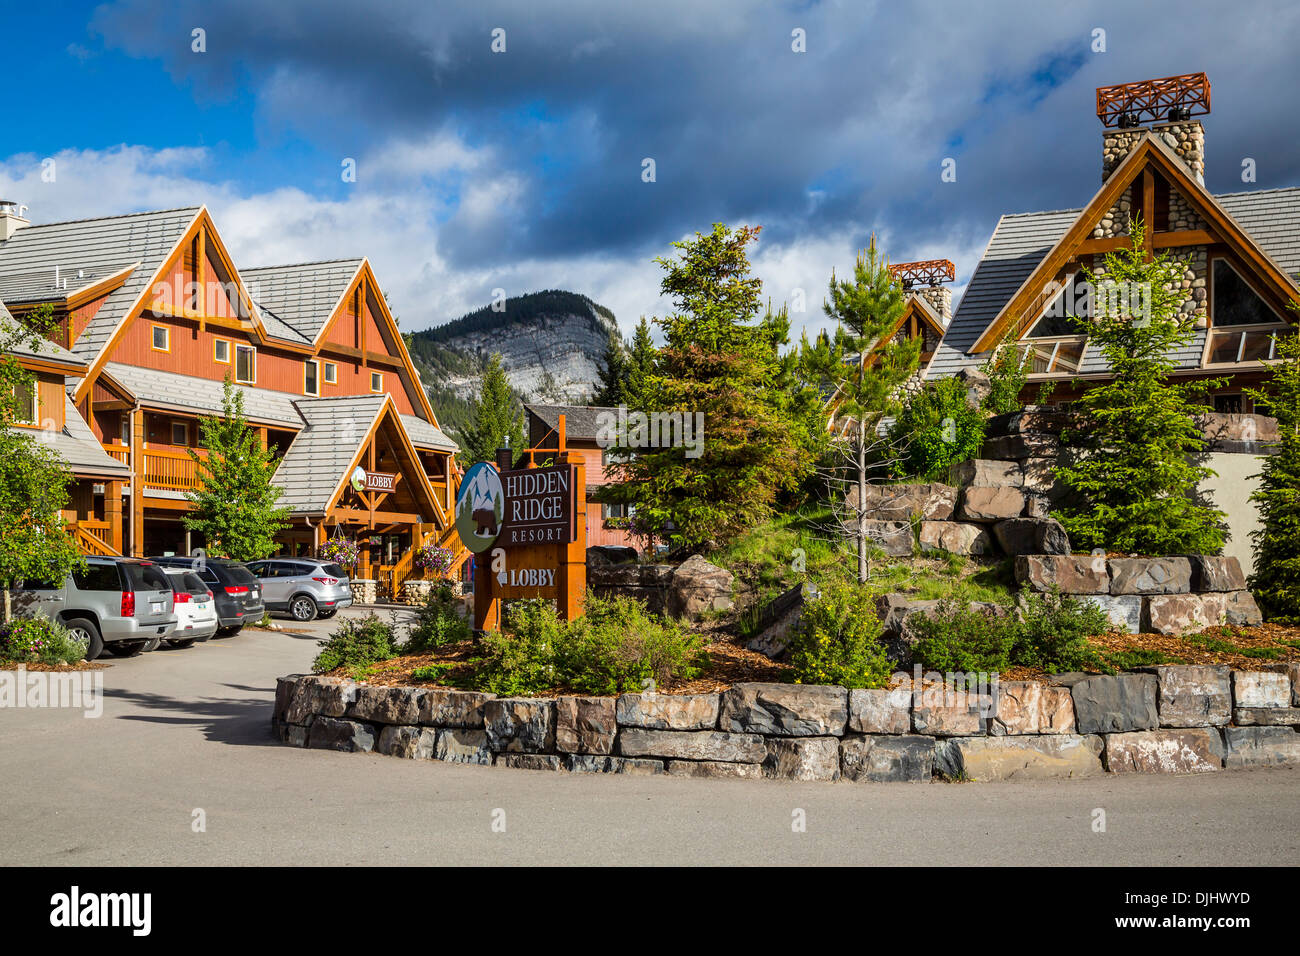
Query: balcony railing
x,y
171,470
118,452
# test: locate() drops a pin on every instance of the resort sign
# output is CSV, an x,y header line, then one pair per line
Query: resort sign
x,y
539,506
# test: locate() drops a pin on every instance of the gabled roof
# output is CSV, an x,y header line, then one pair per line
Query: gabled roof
x,y
925,311
98,248
77,445
580,421
427,435
303,296
324,450
1022,241
46,350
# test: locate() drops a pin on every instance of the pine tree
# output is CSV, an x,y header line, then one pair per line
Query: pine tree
x,y
1134,487
34,480
612,384
718,364
235,503
640,367
1276,578
862,370
496,416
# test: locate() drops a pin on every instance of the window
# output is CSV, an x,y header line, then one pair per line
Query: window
x,y
97,577
180,433
616,511
221,351
162,339
1242,325
376,381
245,364
331,373
310,383
1055,342
25,414
1228,403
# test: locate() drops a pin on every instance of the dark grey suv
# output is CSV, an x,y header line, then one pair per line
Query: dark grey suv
x,y
124,605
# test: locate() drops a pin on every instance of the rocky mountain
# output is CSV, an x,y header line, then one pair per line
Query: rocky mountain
x,y
552,346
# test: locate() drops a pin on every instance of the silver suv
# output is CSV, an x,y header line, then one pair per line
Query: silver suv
x,y
305,588
124,605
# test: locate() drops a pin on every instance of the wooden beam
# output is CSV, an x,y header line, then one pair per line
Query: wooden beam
x,y
1149,210
363,516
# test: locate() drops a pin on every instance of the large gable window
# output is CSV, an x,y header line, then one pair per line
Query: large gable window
x,y
1055,343
1243,324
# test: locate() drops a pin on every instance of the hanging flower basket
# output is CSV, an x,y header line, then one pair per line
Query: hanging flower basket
x,y
339,550
433,558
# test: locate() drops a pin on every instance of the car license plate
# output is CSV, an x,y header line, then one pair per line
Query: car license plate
x,y
254,593
156,607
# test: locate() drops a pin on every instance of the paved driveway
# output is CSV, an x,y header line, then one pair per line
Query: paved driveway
x,y
184,735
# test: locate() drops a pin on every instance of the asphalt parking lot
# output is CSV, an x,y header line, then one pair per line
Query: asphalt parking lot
x,y
184,738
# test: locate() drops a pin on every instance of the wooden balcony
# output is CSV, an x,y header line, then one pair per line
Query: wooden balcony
x,y
118,452
171,470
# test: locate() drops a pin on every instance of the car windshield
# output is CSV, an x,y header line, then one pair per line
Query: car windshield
x,y
240,574
147,577
194,584
334,570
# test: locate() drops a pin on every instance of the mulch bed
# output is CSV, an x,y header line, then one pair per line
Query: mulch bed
x,y
55,668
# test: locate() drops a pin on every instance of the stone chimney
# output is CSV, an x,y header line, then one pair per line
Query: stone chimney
x,y
1164,108
11,219
926,279
1186,138
939,298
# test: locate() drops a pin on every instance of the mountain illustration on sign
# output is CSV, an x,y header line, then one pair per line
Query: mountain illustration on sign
x,y
480,507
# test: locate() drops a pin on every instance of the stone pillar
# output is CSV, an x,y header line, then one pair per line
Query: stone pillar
x,y
1186,138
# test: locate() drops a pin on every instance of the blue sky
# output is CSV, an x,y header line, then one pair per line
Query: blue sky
x,y
522,170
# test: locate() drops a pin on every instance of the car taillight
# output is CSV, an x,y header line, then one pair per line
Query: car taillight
x,y
128,604
236,589
328,581
182,597
207,595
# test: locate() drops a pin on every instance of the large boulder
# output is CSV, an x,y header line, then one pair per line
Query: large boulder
x,y
1150,575
697,588
1032,536
900,759
880,711
894,612
977,384
1030,707
1216,573
932,502
1183,613
715,769
350,736
787,710
647,583
991,504
518,761
1030,420
386,705
803,758
667,711
954,537
982,473
605,555
777,621
1113,704
1192,696
1123,610
1195,750
1261,746
1021,447
940,710
1072,574
1266,716
1260,689
692,745
413,743
520,724
892,537
1040,477
1240,609
453,708
585,725
463,745
321,697
1026,757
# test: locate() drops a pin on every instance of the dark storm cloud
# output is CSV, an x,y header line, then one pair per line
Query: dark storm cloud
x,y
849,135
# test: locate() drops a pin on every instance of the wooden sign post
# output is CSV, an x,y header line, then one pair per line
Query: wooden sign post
x,y
540,549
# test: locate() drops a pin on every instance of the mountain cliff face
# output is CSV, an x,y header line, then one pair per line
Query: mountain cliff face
x,y
552,346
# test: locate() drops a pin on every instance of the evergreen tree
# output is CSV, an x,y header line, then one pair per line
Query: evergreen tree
x,y
235,503
1134,487
496,416
613,374
718,363
640,367
862,371
34,540
1276,578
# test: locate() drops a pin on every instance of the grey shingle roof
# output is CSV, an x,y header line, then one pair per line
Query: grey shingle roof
x,y
188,393
580,421
97,247
314,463
300,297
50,351
1021,241
77,445
427,435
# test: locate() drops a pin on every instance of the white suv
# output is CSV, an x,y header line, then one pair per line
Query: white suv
x,y
196,609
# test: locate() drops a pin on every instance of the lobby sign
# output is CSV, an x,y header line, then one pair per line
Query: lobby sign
x,y
363,480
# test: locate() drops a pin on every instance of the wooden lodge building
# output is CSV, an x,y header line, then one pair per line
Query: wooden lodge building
x,y
1242,251
154,315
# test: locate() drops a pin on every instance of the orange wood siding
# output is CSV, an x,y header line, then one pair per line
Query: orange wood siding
x,y
81,317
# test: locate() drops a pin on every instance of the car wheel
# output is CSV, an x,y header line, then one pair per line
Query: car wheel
x,y
229,631
127,648
86,631
302,608
326,615
153,645
183,643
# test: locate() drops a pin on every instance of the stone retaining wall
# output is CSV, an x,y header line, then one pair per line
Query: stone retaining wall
x,y
1177,719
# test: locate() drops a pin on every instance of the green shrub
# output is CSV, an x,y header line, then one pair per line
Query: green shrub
x,y
617,645
38,640
1008,371
837,640
520,660
357,644
437,622
961,637
938,428
1048,631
